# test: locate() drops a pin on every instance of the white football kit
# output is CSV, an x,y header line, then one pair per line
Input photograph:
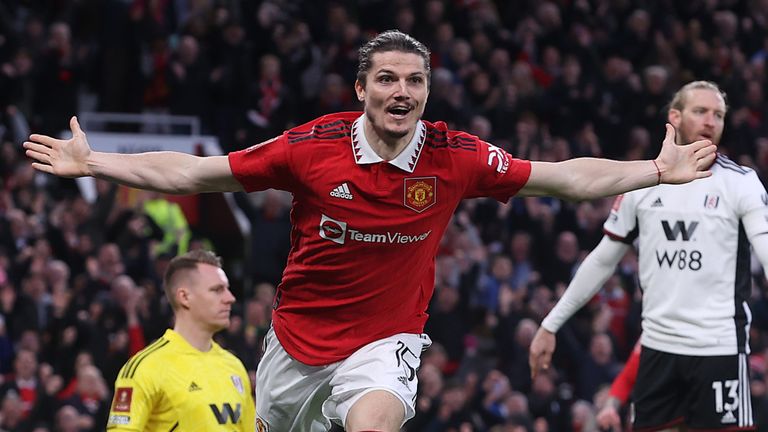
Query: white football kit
x,y
694,258
693,242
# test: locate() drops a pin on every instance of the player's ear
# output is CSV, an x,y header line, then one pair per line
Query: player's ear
x,y
360,90
182,297
673,117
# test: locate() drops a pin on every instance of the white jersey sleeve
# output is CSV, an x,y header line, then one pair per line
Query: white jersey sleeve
x,y
752,205
621,224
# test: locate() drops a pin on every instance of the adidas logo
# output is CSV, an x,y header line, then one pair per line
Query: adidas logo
x,y
728,418
404,381
657,203
342,192
194,387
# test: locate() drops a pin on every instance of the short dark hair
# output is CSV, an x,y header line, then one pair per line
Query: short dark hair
x,y
181,266
390,40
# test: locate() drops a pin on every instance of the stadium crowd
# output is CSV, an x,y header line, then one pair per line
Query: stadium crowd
x,y
80,281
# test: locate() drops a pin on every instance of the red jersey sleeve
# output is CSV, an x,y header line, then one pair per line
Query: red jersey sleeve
x,y
263,166
625,381
495,173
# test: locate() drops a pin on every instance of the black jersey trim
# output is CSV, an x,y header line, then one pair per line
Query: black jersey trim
x,y
144,354
452,145
175,425
318,132
742,289
441,140
322,137
331,124
628,239
730,165
124,373
326,131
438,146
319,127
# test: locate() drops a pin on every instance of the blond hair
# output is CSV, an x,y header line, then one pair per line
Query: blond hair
x,y
680,98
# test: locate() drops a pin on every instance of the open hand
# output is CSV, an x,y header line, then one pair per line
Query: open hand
x,y
683,163
65,158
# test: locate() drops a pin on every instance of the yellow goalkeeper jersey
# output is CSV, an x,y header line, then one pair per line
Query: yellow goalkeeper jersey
x,y
171,386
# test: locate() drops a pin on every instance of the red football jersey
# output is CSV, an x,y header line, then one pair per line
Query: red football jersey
x,y
365,231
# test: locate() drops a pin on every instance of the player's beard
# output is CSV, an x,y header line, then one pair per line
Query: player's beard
x,y
685,135
389,132
397,133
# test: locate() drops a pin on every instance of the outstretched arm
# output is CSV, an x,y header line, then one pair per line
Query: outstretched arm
x,y
168,172
597,267
587,178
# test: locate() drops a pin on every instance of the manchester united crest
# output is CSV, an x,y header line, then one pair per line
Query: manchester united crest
x,y
420,193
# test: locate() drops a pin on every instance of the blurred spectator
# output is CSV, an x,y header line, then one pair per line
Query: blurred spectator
x,y
170,218
545,401
448,323
188,81
490,284
570,99
270,101
58,80
653,101
564,260
68,419
334,96
592,367
513,353
135,233
520,252
231,72
91,398
11,409
452,411
583,417
269,215
26,390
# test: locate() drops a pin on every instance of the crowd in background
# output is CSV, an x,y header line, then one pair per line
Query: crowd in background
x,y
80,281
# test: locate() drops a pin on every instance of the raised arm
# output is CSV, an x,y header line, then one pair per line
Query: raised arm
x,y
168,172
588,178
597,267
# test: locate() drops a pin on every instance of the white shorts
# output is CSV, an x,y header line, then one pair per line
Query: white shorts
x,y
291,396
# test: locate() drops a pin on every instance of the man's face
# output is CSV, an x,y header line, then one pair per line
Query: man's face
x,y
702,117
395,93
26,365
209,297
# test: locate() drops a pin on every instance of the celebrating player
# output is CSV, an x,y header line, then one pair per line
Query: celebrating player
x,y
372,195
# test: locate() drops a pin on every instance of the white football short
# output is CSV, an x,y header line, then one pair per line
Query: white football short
x,y
291,396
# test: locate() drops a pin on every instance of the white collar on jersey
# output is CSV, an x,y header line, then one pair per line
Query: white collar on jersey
x,y
407,158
